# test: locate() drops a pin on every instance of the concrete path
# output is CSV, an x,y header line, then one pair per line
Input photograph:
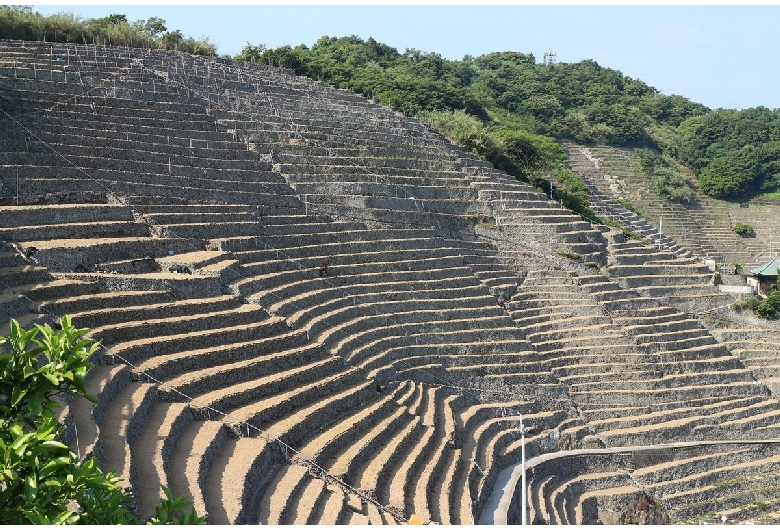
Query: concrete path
x,y
497,506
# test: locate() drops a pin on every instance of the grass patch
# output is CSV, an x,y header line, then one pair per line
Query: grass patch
x,y
485,222
750,304
567,254
773,196
627,205
728,482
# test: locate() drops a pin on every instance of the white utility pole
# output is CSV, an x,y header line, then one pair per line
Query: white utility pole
x,y
522,475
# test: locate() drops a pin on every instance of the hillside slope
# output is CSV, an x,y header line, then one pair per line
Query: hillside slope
x,y
296,292
704,226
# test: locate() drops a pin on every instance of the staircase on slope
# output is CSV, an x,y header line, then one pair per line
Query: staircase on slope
x,y
613,173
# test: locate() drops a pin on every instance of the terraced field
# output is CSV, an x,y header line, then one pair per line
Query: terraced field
x,y
314,310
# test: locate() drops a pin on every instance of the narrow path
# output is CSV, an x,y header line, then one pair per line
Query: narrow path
x,y
497,506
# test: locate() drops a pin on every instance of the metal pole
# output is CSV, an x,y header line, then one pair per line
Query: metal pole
x,y
522,479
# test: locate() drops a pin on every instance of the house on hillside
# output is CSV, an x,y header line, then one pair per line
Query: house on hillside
x,y
764,278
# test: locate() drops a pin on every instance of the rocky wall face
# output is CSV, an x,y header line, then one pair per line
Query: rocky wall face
x,y
637,508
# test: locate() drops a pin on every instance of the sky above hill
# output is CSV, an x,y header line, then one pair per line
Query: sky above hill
x,y
722,56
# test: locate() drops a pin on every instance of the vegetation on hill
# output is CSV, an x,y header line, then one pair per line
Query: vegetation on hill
x,y
503,106
735,154
41,480
21,23
744,230
665,176
469,101
767,307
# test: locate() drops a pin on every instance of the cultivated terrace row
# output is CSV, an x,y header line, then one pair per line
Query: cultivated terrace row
x,y
314,310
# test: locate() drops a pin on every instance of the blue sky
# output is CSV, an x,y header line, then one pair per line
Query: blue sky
x,y
718,55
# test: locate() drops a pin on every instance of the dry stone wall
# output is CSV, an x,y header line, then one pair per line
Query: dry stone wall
x,y
316,310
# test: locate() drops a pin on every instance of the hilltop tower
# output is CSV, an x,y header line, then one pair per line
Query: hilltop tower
x,y
549,58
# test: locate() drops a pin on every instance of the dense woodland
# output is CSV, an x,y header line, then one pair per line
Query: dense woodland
x,y
505,106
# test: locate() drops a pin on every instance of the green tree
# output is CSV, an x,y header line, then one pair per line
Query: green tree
x,y
769,307
671,185
730,174
251,53
153,26
41,480
171,39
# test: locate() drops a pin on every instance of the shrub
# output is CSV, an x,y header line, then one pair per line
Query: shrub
x,y
769,307
630,234
750,304
646,160
464,130
744,230
486,222
671,185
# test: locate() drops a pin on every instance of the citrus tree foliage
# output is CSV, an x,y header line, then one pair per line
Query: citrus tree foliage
x,y
41,480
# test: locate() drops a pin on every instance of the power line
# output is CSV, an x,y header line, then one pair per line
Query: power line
x,y
128,203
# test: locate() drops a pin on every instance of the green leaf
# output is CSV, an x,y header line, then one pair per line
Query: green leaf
x,y
54,465
65,517
35,404
20,444
53,483
9,475
16,430
17,395
30,488
51,378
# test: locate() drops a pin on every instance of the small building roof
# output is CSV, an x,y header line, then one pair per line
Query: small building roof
x,y
770,269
